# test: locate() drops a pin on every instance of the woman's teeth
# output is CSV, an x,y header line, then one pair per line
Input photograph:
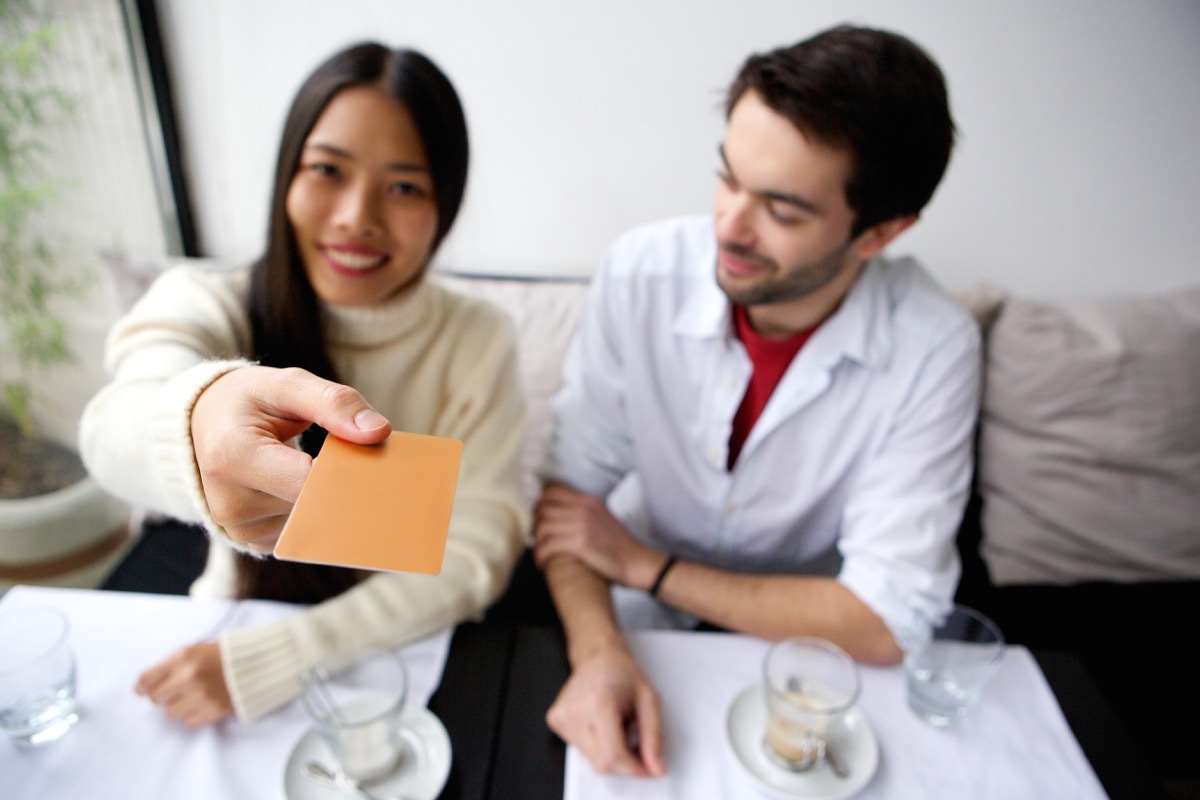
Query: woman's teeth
x,y
354,260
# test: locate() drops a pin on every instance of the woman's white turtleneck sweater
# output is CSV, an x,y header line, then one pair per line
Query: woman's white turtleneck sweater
x,y
429,360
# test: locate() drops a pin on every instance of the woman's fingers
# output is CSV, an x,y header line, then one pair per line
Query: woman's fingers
x,y
242,427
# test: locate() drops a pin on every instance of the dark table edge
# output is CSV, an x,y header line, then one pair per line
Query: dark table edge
x,y
1115,758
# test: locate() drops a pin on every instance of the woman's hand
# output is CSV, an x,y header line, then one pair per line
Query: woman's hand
x,y
241,425
189,685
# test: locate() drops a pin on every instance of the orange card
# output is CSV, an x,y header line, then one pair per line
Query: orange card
x,y
385,506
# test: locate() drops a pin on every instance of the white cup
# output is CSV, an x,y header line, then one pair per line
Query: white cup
x,y
37,676
356,698
948,668
811,685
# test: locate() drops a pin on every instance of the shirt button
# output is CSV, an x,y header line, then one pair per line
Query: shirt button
x,y
730,508
713,455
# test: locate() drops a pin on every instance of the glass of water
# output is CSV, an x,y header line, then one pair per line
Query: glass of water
x,y
37,676
948,668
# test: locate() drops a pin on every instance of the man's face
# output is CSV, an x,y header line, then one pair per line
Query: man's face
x,y
782,220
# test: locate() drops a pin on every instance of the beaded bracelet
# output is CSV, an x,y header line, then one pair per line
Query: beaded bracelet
x,y
662,573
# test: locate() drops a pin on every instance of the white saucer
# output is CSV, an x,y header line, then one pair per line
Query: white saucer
x,y
421,776
857,747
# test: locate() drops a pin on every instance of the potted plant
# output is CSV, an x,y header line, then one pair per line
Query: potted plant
x,y
56,525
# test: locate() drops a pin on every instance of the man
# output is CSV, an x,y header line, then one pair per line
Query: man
x,y
765,425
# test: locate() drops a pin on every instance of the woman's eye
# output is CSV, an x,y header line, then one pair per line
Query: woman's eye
x,y
726,179
406,189
321,168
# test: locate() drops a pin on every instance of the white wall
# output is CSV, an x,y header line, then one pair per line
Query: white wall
x,y
1077,173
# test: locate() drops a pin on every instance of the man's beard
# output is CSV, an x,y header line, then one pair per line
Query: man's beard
x,y
780,286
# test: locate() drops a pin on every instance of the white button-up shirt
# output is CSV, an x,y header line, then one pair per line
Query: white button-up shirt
x,y
858,467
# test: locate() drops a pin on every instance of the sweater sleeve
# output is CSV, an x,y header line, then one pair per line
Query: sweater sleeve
x,y
482,406
135,433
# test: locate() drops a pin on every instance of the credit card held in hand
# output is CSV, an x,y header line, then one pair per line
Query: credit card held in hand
x,y
384,506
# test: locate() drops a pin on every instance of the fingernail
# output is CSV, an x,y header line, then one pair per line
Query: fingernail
x,y
369,419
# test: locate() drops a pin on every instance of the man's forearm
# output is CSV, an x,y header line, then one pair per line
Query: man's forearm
x,y
777,606
584,606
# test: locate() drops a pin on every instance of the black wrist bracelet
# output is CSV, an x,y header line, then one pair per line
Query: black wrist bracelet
x,y
662,573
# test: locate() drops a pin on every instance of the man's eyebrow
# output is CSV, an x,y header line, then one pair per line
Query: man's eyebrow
x,y
788,198
334,150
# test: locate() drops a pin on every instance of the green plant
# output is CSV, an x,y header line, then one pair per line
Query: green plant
x,y
32,335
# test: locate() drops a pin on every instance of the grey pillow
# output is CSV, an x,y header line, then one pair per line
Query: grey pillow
x,y
1089,462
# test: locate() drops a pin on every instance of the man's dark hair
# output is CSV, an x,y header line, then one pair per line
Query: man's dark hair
x,y
873,93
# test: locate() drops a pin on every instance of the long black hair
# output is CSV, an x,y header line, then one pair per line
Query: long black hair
x,y
284,311
285,315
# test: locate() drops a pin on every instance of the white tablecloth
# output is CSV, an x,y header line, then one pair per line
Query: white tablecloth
x,y
1014,744
123,746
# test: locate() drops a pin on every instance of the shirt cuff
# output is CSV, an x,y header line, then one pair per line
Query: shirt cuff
x,y
906,600
262,668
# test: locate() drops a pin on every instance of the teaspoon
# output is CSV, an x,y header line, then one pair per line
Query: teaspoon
x,y
319,773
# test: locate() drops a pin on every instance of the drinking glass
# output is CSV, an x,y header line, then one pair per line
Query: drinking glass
x,y
37,676
811,685
356,698
948,668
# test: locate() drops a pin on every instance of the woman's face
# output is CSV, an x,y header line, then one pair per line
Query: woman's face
x,y
361,203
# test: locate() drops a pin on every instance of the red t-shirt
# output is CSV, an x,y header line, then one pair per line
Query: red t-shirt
x,y
770,359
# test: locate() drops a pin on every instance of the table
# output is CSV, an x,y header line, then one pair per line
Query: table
x,y
529,763
499,678
124,746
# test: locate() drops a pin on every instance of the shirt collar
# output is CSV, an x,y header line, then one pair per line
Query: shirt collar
x,y
859,329
705,311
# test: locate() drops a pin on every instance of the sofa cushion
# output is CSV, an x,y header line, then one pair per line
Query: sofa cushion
x,y
544,312
1089,463
983,301
130,276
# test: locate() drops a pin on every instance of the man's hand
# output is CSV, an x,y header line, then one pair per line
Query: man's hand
x,y
189,685
567,522
240,428
606,704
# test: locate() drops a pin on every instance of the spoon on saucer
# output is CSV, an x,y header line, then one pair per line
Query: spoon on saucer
x,y
321,774
834,760
825,751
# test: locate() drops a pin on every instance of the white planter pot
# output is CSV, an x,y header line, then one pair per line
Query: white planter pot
x,y
72,537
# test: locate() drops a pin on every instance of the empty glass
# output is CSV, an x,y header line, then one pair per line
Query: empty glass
x,y
948,668
356,697
37,676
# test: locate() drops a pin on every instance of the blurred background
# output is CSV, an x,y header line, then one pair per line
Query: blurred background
x,y
1075,173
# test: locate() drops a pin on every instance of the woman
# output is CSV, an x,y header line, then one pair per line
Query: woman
x,y
217,376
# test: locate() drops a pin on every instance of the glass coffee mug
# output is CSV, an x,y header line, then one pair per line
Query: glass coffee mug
x,y
356,698
811,685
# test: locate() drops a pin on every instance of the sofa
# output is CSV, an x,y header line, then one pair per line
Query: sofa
x,y
1083,532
